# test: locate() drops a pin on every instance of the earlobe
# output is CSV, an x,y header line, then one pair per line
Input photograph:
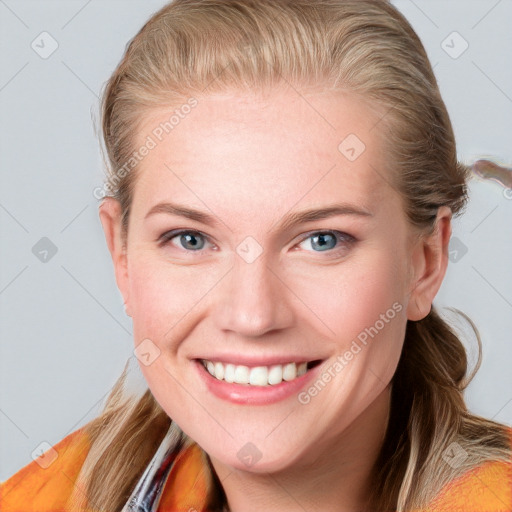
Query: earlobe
x,y
429,261
110,216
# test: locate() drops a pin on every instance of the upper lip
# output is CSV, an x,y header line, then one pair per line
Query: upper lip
x,y
252,361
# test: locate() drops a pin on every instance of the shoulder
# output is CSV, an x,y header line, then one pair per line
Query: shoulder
x,y
485,488
45,484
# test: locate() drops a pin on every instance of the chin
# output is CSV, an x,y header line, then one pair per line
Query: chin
x,y
252,463
257,457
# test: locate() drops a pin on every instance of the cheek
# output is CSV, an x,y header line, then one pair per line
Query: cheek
x,y
158,298
161,299
149,299
351,296
377,311
164,297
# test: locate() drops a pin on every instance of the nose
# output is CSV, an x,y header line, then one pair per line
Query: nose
x,y
254,300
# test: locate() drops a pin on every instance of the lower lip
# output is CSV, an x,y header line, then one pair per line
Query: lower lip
x,y
254,395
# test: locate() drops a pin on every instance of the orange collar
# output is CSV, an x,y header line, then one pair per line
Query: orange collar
x,y
46,484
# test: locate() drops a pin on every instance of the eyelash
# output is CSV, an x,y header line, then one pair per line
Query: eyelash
x,y
344,239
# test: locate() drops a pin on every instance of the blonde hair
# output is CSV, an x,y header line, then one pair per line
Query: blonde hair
x,y
194,47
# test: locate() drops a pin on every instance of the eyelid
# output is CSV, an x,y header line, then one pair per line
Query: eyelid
x,y
342,234
341,237
169,235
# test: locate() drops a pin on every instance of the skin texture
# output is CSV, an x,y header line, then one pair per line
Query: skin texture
x,y
249,160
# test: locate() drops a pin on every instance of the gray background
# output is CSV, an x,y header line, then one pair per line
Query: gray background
x,y
65,337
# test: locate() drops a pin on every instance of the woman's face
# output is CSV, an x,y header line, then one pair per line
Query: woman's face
x,y
255,283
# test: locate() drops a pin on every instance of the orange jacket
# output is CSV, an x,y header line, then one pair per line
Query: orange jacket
x,y
45,484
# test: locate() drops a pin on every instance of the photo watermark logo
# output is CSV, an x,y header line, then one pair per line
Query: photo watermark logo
x,y
151,141
304,397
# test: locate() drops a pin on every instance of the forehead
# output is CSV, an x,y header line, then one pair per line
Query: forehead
x,y
263,151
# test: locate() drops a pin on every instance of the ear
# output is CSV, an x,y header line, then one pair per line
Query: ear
x,y
110,215
429,263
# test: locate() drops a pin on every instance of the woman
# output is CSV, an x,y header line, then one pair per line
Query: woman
x,y
282,181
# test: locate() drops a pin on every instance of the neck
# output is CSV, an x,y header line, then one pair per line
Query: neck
x,y
336,476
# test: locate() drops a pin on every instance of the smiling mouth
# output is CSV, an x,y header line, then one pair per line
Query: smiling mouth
x,y
257,375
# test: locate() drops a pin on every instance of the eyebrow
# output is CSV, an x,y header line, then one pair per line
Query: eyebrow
x,y
287,222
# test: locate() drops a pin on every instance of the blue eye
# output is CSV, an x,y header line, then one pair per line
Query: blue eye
x,y
318,241
322,241
189,240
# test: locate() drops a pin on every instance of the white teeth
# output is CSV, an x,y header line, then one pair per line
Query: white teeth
x,y
219,371
229,373
257,376
242,374
275,374
289,371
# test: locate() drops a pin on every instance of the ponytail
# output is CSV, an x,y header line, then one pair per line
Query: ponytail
x,y
123,440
